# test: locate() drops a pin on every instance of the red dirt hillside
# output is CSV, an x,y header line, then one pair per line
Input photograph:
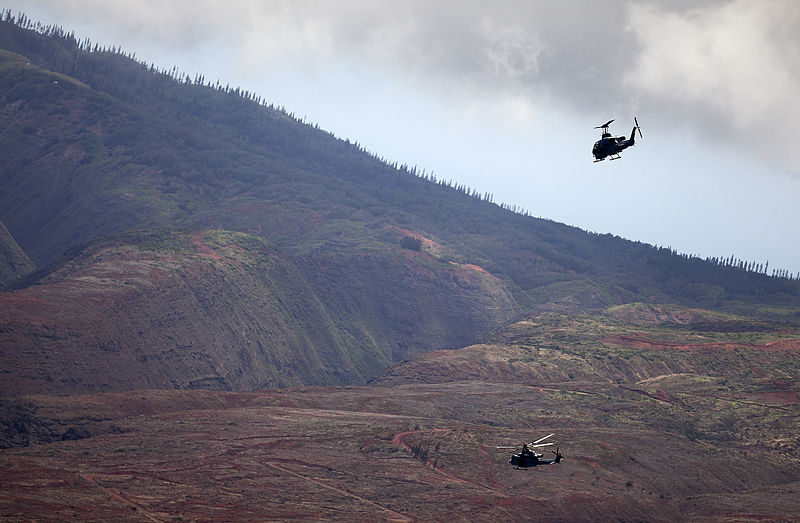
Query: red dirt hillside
x,y
227,310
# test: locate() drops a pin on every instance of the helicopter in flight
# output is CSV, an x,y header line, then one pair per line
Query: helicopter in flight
x,y
530,458
611,146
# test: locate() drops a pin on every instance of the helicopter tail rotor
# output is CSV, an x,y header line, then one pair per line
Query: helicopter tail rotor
x,y
637,127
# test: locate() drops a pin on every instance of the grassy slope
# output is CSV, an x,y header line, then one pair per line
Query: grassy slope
x,y
216,311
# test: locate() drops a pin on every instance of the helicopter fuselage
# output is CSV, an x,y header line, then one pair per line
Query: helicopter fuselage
x,y
530,458
527,459
611,146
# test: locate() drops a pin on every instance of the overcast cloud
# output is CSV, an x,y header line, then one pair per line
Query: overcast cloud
x,y
726,70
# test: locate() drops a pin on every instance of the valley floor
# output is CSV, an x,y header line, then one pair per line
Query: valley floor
x,y
661,415
406,453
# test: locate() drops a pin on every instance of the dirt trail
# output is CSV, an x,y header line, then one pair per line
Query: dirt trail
x,y
648,394
399,440
393,516
116,496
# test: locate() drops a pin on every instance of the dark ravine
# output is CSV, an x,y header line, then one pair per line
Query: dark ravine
x,y
14,263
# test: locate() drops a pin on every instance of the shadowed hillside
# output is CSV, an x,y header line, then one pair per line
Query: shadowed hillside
x,y
229,311
14,264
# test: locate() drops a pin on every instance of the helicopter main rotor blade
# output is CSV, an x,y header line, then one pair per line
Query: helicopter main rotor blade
x,y
539,445
553,434
604,125
508,448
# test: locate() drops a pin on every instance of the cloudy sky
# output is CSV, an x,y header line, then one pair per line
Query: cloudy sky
x,y
504,96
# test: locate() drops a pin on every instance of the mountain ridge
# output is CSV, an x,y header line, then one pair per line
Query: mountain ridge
x,y
392,262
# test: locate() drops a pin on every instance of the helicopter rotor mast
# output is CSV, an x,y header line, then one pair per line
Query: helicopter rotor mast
x,y
604,127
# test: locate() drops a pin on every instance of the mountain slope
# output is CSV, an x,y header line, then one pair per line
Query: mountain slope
x,y
385,264
14,263
100,143
226,310
633,343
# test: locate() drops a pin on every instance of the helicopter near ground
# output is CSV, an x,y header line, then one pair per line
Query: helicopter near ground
x,y
700,427
528,457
